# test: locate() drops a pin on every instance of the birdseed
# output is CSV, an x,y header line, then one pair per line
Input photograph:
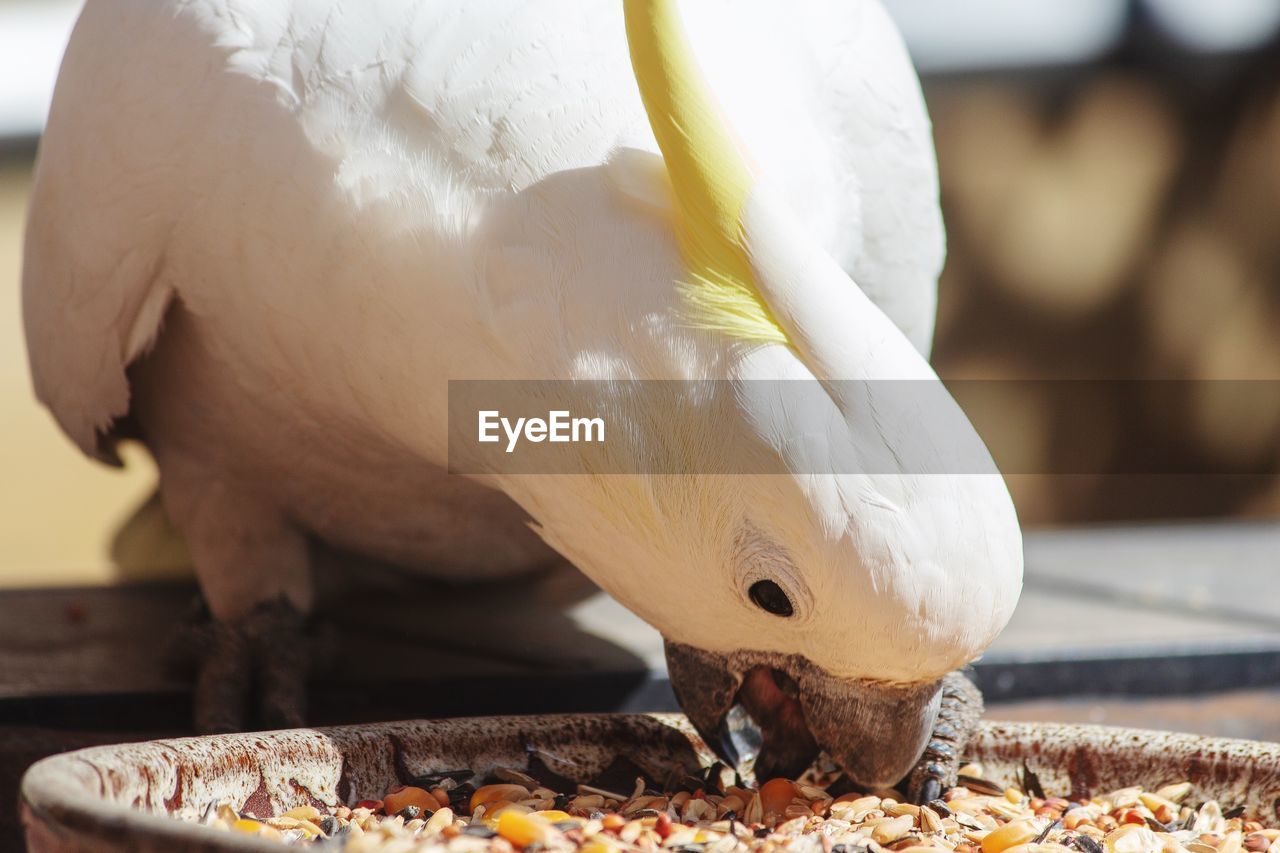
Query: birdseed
x,y
518,814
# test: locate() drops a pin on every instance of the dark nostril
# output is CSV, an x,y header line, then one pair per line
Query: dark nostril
x,y
768,596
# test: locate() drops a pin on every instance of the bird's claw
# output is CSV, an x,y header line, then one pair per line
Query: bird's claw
x,y
957,719
250,672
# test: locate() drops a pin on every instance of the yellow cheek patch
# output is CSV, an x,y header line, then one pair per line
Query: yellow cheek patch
x,y
709,175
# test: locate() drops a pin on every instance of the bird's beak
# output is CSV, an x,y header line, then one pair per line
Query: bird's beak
x,y
875,731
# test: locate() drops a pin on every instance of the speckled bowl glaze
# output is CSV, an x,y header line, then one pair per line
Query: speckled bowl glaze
x,y
117,798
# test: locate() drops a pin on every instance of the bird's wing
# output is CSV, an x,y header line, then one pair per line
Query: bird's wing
x,y
164,111
498,93
92,291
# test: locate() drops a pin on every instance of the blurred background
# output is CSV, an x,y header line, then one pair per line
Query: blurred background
x,y
1111,182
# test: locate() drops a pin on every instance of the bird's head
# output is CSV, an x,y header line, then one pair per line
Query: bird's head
x,y
871,549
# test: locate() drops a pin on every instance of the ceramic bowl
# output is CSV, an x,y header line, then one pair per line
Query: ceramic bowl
x,y
147,796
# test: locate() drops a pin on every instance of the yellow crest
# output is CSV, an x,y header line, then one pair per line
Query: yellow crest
x,y
709,175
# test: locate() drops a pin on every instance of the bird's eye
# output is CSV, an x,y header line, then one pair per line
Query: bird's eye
x,y
768,596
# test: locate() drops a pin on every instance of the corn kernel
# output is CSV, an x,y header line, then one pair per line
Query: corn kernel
x,y
524,829
776,795
1009,835
394,802
244,824
492,793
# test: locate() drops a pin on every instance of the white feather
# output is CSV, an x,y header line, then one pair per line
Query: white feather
x,y
344,205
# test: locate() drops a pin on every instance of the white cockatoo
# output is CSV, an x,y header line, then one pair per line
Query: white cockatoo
x,y
266,234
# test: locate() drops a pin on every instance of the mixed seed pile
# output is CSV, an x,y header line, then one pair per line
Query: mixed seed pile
x,y
519,813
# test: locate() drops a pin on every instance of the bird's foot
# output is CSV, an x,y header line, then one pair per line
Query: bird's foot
x,y
251,672
957,719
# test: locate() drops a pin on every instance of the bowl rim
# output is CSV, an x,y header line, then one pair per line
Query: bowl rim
x,y
55,796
